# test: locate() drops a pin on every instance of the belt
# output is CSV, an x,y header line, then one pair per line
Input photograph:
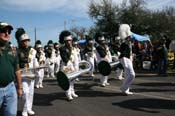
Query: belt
x,y
2,85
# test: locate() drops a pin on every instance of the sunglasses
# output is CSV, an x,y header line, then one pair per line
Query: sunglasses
x,y
5,31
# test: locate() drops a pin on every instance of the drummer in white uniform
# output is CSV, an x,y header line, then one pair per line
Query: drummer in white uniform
x,y
40,55
27,59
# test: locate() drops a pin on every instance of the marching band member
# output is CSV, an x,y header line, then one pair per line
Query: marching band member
x,y
50,59
116,50
57,57
90,53
103,53
27,59
77,57
126,58
76,51
68,58
40,55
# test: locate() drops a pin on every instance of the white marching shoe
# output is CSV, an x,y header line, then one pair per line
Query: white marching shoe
x,y
107,83
119,78
74,95
30,112
37,86
103,85
24,114
47,76
41,86
77,79
69,97
127,92
92,75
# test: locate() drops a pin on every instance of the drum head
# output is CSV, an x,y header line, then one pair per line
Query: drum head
x,y
104,68
62,80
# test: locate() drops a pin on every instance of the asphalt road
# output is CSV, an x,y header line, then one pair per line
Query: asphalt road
x,y
153,96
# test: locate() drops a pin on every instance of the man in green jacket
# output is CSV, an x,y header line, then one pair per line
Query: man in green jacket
x,y
9,70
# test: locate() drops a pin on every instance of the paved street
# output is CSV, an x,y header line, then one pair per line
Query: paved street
x,y
154,96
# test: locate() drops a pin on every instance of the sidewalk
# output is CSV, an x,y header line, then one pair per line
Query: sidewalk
x,y
149,73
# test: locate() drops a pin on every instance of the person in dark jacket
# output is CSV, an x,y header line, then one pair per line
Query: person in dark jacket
x,y
163,57
9,71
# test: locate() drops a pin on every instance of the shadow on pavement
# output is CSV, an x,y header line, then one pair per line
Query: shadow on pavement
x,y
83,90
156,84
147,105
155,87
47,99
140,90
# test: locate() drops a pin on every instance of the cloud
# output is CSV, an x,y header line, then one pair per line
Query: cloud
x,y
70,6
159,4
32,5
76,8
44,5
73,6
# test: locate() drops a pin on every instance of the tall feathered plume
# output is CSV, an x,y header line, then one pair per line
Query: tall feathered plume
x,y
18,33
97,35
63,34
37,42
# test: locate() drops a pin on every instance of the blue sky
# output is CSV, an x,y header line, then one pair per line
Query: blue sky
x,y
48,16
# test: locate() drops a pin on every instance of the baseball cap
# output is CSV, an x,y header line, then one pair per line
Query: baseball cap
x,y
4,25
24,37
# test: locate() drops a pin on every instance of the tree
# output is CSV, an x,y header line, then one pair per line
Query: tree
x,y
105,15
79,32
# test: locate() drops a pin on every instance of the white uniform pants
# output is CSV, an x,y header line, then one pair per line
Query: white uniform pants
x,y
76,66
129,73
27,98
40,77
57,64
119,73
51,70
71,90
91,60
104,80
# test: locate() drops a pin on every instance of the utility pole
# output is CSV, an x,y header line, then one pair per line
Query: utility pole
x,y
64,25
35,34
73,23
